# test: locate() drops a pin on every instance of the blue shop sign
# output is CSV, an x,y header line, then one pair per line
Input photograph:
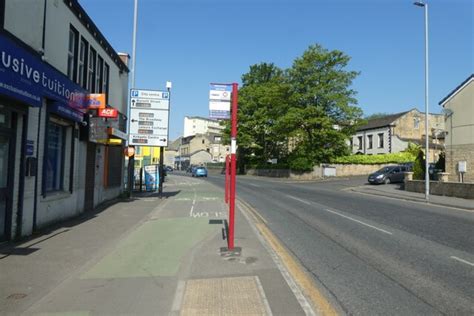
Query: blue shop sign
x,y
67,112
24,76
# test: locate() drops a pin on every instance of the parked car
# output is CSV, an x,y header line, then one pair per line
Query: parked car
x,y
169,168
199,172
390,174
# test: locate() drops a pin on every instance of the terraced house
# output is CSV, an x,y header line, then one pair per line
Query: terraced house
x,y
63,92
393,133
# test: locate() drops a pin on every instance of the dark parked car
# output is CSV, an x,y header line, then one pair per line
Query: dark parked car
x,y
390,174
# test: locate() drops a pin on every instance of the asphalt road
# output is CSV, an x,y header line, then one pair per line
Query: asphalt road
x,y
374,256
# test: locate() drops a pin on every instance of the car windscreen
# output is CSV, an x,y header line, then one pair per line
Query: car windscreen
x,y
385,170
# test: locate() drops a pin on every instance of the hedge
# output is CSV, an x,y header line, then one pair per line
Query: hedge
x,y
403,157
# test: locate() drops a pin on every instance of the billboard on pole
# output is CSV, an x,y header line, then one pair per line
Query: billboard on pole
x,y
149,117
219,101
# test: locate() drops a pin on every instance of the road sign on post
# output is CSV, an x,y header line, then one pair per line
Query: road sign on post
x,y
219,101
149,117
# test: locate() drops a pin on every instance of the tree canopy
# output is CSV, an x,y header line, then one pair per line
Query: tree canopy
x,y
302,115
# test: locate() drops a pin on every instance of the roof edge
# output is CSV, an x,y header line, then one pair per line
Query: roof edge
x,y
456,90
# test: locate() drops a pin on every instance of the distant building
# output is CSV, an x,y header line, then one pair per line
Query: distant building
x,y
194,125
201,149
59,156
171,152
459,108
393,133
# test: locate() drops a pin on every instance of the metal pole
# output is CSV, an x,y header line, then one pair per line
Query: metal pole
x,y
227,169
161,175
131,160
427,173
233,150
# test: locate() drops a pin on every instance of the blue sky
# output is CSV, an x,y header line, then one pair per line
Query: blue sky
x,y
195,42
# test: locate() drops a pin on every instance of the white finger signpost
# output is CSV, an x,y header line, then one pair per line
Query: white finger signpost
x,y
149,117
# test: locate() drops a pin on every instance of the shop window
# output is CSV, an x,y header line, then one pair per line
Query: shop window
x,y
72,54
54,162
91,70
82,65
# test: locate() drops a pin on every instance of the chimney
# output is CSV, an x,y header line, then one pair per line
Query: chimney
x,y
124,57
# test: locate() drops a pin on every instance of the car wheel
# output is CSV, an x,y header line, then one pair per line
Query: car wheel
x,y
387,181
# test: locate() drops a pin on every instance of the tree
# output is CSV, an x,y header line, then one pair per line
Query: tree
x,y
376,115
262,100
322,112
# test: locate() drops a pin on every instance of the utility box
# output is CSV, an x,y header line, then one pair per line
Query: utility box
x,y
462,167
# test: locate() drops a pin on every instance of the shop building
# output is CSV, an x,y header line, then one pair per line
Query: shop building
x,y
63,95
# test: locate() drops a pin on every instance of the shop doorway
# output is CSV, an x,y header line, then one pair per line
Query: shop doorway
x,y
90,177
7,145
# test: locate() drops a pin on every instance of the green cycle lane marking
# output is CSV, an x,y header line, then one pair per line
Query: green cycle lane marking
x,y
154,249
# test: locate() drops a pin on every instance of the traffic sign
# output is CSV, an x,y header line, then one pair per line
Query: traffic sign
x,y
149,116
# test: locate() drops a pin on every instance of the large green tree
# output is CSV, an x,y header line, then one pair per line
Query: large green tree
x,y
323,111
302,115
263,98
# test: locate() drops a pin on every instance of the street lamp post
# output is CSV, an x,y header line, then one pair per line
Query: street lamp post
x,y
427,175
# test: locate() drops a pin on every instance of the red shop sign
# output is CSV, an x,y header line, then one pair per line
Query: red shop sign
x,y
107,112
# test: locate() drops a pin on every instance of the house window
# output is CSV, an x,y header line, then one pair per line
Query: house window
x,y
54,162
351,143
99,74
105,82
416,122
381,144
72,54
370,143
82,68
360,142
203,141
91,70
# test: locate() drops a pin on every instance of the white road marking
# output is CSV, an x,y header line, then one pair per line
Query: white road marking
x,y
462,260
254,185
191,212
297,199
178,297
360,222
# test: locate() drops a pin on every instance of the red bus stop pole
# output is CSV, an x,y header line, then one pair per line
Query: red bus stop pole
x,y
227,172
233,150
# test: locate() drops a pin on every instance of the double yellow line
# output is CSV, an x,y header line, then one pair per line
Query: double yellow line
x,y
294,268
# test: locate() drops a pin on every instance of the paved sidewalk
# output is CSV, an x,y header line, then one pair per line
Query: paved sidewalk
x,y
149,257
396,191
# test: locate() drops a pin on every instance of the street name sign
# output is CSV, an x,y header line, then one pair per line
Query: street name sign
x,y
149,117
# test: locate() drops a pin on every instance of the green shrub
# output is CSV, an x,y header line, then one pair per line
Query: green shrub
x,y
419,166
301,164
403,157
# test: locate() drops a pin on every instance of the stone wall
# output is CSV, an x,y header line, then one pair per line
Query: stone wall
x,y
456,189
457,153
317,173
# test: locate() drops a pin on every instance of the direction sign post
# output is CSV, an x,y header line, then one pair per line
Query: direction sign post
x,y
149,116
